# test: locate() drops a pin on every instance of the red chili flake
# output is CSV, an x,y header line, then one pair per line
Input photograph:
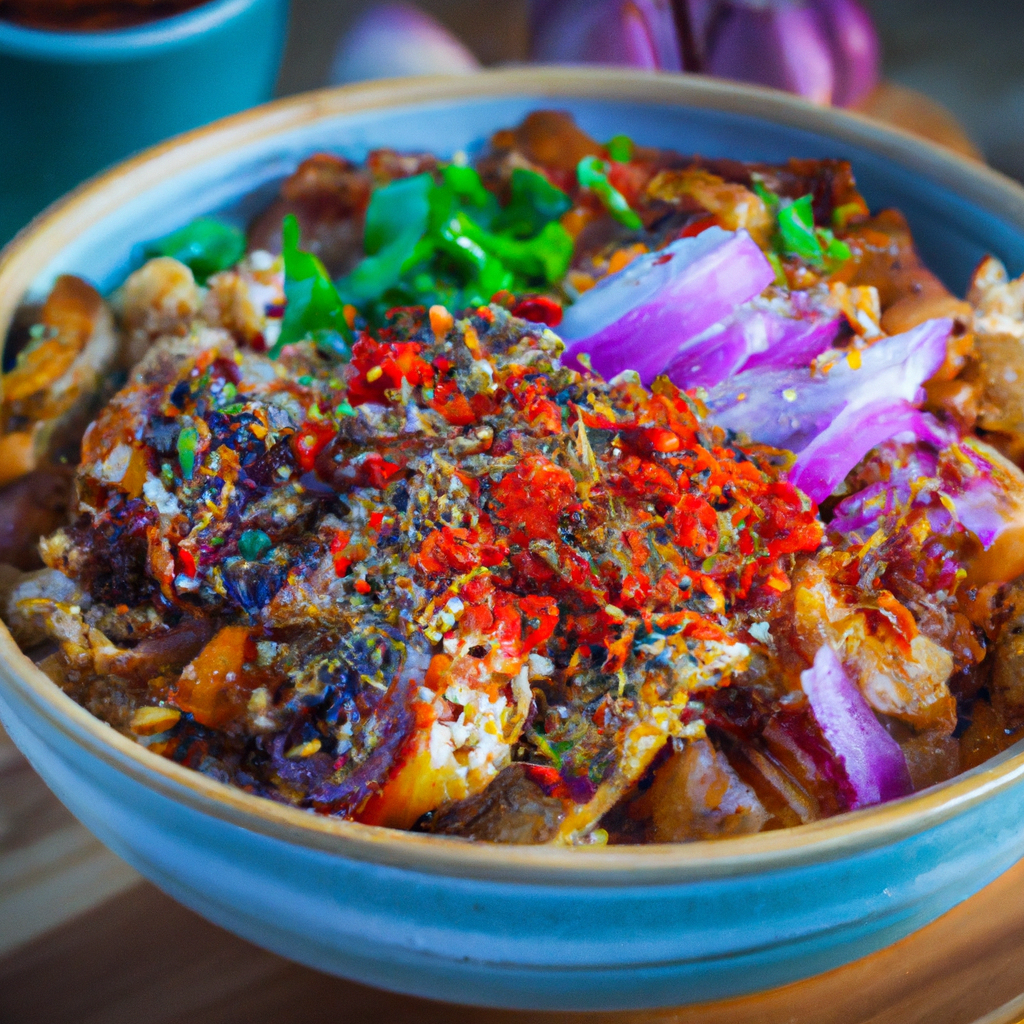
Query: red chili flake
x,y
544,415
383,366
547,779
696,525
311,440
338,545
377,471
188,562
362,586
630,179
539,309
485,314
451,403
698,226
533,497
544,611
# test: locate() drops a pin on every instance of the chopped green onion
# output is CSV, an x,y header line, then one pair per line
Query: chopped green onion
x,y
780,271
836,250
796,230
769,198
592,173
188,441
620,149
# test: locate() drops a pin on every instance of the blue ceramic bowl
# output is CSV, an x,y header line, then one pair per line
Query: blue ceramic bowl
x,y
529,927
72,103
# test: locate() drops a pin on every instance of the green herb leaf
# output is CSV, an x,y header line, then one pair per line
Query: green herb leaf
x,y
207,246
535,203
312,301
543,258
796,231
396,221
592,173
620,149
770,199
836,250
467,186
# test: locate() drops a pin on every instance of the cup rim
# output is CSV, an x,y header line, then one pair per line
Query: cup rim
x,y
830,839
135,41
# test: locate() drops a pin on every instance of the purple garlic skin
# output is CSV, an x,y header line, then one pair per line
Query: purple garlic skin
x,y
635,33
393,40
779,45
855,50
824,50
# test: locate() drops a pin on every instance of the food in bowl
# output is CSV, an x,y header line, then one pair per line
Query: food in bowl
x,y
578,493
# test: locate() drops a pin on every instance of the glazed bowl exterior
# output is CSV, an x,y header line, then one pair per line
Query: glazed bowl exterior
x,y
72,103
539,927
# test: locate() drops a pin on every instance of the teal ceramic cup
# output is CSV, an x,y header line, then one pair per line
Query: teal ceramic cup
x,y
72,103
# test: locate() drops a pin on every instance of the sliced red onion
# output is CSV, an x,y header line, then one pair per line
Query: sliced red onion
x,y
834,419
966,488
981,505
637,33
854,44
773,43
874,763
824,463
639,318
765,334
788,408
393,40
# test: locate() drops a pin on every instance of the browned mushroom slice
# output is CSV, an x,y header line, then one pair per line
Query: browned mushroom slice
x,y
517,807
696,794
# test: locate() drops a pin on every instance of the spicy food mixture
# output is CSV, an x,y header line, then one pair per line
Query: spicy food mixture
x,y
576,493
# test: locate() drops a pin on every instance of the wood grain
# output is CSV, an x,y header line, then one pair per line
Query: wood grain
x,y
51,867
143,959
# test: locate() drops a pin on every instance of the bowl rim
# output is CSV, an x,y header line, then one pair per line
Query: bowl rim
x,y
129,43
844,835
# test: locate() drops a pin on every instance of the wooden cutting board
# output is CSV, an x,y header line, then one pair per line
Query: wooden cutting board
x,y
84,940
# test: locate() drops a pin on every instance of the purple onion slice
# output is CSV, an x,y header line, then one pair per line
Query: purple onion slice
x,y
874,763
639,318
769,334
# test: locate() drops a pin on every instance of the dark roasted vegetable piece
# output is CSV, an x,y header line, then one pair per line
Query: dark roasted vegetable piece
x,y
30,508
515,808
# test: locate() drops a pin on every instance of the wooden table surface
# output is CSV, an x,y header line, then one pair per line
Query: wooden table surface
x,y
84,940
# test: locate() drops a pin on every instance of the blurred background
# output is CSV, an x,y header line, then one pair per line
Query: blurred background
x,y
966,56
74,102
